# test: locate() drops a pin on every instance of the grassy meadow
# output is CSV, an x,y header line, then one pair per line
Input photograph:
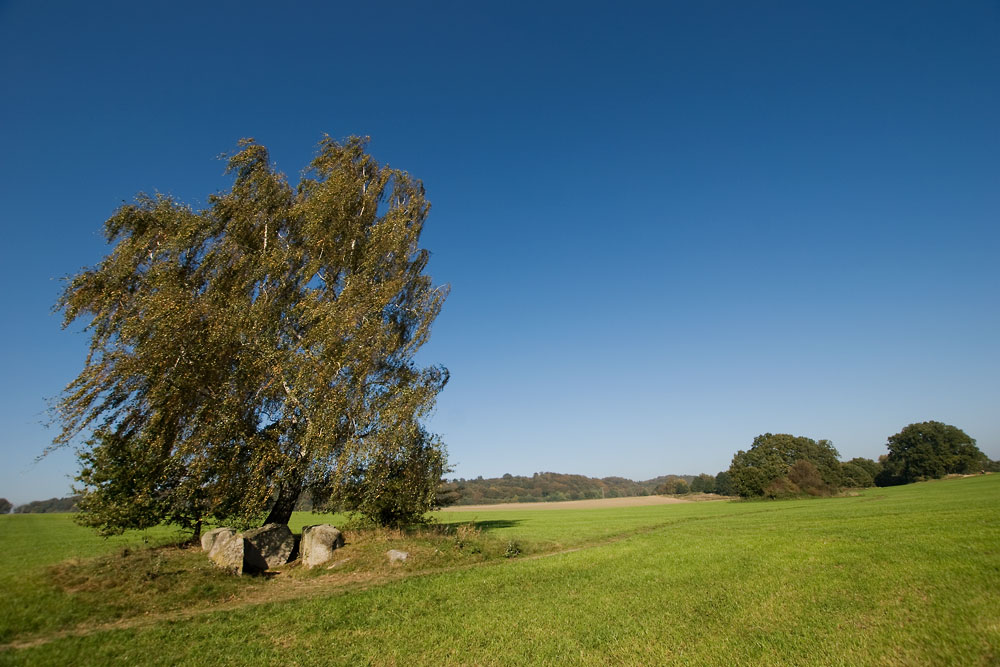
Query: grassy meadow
x,y
906,575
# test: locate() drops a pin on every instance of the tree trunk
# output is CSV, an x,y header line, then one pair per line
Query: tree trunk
x,y
283,507
197,531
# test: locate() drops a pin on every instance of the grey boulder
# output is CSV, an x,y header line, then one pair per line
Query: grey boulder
x,y
227,553
254,550
266,547
209,539
318,544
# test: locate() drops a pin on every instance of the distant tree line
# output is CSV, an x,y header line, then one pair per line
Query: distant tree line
x,y
776,466
50,506
540,487
679,485
786,466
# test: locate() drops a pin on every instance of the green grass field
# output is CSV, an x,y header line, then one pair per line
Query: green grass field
x,y
907,575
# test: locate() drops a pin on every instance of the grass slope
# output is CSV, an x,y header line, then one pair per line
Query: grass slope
x,y
907,575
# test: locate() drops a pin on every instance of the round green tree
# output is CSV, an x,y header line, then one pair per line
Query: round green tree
x,y
930,450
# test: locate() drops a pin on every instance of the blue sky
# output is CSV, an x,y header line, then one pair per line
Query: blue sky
x,y
668,227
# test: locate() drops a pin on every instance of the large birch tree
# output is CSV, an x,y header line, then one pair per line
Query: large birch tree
x,y
262,346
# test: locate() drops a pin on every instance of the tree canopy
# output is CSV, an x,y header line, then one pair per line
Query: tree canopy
x,y
860,472
769,467
673,485
259,347
724,484
703,483
930,450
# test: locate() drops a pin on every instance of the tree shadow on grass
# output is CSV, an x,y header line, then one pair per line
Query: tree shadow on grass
x,y
486,526
493,524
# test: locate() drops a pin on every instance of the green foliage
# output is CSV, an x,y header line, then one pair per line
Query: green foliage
x,y
724,484
860,473
930,450
5,506
447,494
871,467
782,488
755,472
245,352
393,484
804,475
129,485
703,484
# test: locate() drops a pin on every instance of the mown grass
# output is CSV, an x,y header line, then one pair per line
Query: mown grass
x,y
908,575
29,545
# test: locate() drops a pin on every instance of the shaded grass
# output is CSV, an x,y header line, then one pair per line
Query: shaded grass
x,y
893,576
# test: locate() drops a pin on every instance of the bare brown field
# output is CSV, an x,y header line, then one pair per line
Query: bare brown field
x,y
596,503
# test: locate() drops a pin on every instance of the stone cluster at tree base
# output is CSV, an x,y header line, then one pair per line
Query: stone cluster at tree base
x,y
269,546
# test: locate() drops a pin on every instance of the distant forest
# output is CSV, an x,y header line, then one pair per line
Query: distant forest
x,y
49,506
540,487
549,487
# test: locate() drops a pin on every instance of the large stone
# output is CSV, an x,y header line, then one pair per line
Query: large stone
x,y
396,556
318,544
254,550
209,539
266,547
227,552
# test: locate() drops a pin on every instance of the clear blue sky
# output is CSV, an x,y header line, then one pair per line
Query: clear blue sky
x,y
668,227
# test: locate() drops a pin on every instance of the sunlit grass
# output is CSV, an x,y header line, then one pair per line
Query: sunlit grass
x,y
906,575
